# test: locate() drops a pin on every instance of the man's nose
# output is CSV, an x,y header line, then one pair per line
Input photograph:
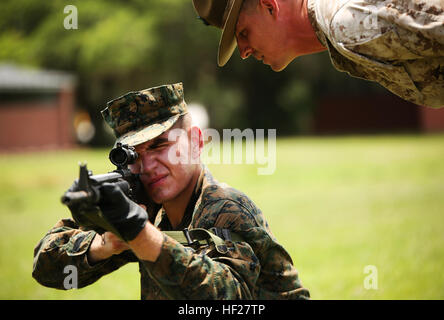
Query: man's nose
x,y
147,163
244,50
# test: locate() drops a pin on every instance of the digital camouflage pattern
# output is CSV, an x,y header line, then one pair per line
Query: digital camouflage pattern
x,y
140,116
397,43
256,268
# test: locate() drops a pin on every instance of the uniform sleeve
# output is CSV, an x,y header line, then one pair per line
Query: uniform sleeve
x,y
183,273
389,31
278,278
66,246
406,41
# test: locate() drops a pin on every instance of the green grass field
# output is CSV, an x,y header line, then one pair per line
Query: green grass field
x,y
337,204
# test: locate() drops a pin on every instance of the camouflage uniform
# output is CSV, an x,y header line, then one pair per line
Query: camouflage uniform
x,y
397,43
256,268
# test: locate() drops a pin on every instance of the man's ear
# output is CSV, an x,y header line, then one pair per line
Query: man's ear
x,y
272,6
197,143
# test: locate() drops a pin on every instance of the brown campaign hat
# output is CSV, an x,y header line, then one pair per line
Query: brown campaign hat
x,y
222,14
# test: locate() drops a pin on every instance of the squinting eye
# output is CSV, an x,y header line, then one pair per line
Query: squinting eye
x,y
159,146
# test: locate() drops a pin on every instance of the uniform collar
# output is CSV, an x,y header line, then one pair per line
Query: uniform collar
x,y
312,17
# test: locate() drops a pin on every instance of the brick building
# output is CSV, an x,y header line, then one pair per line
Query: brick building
x,y
374,114
36,109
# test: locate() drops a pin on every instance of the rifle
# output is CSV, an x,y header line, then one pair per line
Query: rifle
x,y
84,198
86,195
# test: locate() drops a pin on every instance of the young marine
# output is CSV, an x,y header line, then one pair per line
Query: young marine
x,y
250,263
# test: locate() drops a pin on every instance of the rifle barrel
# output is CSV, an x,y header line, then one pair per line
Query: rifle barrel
x,y
76,197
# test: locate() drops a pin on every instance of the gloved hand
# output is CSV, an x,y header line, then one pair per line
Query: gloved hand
x,y
81,212
120,212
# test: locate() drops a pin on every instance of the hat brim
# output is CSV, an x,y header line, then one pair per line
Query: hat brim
x,y
137,137
227,43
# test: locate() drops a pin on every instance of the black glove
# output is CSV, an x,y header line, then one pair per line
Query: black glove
x,y
125,216
82,212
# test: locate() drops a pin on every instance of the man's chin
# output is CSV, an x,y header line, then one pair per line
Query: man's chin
x,y
161,196
158,199
278,68
156,195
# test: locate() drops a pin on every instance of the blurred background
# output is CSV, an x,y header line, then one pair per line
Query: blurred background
x,y
359,177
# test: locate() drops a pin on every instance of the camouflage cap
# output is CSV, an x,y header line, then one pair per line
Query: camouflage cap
x,y
137,117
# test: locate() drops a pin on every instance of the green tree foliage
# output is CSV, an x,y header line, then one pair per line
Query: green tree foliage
x,y
127,45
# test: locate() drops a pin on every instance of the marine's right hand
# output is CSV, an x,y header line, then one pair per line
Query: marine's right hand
x,y
104,246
